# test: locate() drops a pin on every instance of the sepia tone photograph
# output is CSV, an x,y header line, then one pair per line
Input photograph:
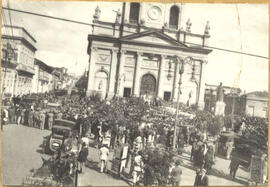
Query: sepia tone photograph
x,y
134,94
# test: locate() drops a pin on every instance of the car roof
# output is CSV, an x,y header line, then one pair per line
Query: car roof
x,y
62,122
61,127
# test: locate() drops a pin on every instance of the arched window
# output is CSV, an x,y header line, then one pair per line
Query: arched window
x,y
174,17
134,12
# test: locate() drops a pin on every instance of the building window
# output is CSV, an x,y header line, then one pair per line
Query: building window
x,y
134,12
174,17
167,96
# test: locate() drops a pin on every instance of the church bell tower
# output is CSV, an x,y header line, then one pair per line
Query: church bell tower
x,y
155,15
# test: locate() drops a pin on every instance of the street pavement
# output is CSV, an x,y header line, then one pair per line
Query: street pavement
x,y
219,175
21,152
91,176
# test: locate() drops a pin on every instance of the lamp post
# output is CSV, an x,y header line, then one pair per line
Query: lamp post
x,y
181,71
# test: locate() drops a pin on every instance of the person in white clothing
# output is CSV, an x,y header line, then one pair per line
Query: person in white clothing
x,y
104,153
86,141
137,168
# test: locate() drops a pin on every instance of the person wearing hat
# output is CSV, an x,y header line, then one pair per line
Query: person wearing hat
x,y
50,119
198,177
137,170
82,157
42,119
234,165
36,118
204,178
201,178
176,173
104,154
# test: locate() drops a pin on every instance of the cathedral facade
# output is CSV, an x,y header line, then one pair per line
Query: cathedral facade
x,y
145,52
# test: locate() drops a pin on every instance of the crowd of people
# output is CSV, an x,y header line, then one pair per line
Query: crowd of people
x,y
134,122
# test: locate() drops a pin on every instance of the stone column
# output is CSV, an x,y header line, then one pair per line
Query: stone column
x,y
161,75
136,87
91,71
176,81
120,75
202,86
113,76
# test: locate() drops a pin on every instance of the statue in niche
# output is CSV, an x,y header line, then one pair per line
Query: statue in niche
x,y
207,28
100,85
188,23
220,93
96,16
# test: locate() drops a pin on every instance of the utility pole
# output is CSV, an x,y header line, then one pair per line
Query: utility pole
x,y
8,55
5,72
181,71
233,105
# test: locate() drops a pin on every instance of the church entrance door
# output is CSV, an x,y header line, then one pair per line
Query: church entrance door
x,y
148,86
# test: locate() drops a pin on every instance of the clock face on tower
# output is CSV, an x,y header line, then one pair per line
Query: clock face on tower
x,y
154,13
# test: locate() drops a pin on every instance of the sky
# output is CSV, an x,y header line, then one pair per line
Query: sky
x,y
63,44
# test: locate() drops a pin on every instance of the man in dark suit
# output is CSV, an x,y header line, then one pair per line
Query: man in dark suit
x,y
201,178
204,178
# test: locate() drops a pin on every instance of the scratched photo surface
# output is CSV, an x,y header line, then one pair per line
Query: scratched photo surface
x,y
125,93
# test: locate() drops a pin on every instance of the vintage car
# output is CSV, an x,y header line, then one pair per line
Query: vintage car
x,y
246,148
63,136
224,139
53,105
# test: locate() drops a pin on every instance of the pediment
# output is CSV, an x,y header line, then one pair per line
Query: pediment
x,y
152,37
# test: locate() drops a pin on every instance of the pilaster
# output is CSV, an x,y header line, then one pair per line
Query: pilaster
x,y
136,87
113,77
161,75
91,71
120,75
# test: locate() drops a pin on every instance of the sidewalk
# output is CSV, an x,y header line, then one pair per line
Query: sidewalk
x,y
219,175
92,176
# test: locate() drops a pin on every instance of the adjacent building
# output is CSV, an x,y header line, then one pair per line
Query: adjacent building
x,y
17,60
62,79
256,104
138,54
42,80
22,73
252,104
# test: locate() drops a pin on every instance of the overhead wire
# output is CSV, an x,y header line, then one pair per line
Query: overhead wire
x,y
10,20
89,24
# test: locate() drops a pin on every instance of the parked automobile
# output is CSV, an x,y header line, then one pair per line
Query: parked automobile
x,y
63,136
